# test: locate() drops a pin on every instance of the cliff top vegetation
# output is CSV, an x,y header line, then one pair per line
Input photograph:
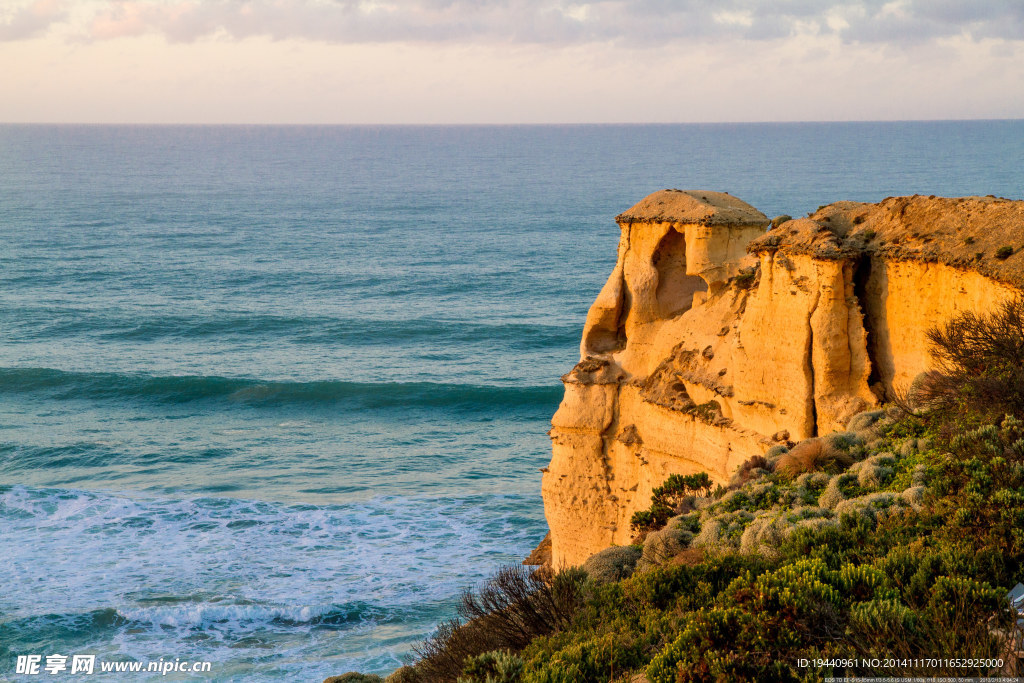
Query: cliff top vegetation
x,y
979,233
699,207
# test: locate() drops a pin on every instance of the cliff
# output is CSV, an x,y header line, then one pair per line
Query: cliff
x,y
716,337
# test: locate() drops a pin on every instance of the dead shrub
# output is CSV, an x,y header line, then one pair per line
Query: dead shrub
x,y
750,470
979,364
512,608
811,455
691,557
799,459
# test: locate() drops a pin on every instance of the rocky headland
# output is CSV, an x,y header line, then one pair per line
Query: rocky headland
x,y
720,334
791,450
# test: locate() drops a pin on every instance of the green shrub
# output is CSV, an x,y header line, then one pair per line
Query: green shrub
x,y
662,545
612,564
668,500
406,674
354,677
746,278
708,412
493,667
652,519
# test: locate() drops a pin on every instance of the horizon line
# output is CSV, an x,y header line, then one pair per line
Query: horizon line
x,y
496,124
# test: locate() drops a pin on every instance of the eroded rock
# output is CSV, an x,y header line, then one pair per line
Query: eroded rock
x,y
715,339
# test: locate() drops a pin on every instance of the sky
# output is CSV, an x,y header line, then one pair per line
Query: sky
x,y
508,61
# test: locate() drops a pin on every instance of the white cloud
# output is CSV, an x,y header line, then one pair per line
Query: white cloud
x,y
28,20
734,18
259,80
431,61
649,22
577,12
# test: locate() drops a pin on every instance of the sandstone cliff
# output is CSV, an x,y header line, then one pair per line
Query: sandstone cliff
x,y
716,337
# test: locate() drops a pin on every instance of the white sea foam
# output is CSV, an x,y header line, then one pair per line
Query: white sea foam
x,y
229,578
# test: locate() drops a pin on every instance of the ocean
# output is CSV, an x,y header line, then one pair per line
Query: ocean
x,y
271,397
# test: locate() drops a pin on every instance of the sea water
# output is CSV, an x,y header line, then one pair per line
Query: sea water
x,y
271,397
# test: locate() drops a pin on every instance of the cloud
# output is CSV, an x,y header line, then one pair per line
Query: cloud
x,y
565,22
914,21
30,20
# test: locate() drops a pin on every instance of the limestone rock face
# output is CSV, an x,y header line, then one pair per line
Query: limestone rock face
x,y
715,338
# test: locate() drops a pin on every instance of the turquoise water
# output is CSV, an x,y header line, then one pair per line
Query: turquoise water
x,y
271,397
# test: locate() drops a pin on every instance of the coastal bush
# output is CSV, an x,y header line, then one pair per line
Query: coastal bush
x,y
645,521
751,469
757,627
808,487
746,278
512,608
980,362
662,545
492,667
862,423
709,413
599,657
831,453
623,625
677,486
948,623
612,564
874,472
675,496
406,674
758,495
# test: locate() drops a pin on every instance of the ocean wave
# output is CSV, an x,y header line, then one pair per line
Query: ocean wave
x,y
191,613
241,615
45,322
66,385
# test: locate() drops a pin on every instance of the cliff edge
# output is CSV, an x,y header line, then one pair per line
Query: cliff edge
x,y
718,335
